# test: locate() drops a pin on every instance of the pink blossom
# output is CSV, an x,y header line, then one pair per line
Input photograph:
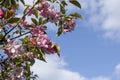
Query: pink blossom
x,y
13,49
1,13
50,49
30,55
13,9
0,29
43,41
40,6
25,24
32,40
39,30
48,11
69,25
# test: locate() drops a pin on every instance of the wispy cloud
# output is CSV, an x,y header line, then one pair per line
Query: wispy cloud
x,y
101,78
117,71
103,15
55,69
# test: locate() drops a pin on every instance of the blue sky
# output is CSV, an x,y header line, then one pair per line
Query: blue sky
x,y
91,51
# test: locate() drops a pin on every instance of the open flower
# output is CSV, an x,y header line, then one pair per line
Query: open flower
x,y
50,49
69,25
13,49
30,55
48,11
39,30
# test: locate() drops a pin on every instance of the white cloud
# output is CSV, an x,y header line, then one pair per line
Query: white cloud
x,y
117,71
54,69
101,78
29,2
103,15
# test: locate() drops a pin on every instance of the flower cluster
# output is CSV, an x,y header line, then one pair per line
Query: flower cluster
x,y
41,40
32,39
38,31
48,11
69,25
13,49
25,24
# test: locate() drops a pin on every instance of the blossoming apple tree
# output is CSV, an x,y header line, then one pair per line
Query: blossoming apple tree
x,y
23,42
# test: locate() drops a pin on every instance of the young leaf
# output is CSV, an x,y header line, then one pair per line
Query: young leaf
x,y
62,9
40,20
22,1
76,15
59,31
34,21
64,3
13,20
36,13
75,2
14,3
57,48
40,55
8,14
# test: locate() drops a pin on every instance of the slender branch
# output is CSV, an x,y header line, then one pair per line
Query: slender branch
x,y
4,30
23,17
20,35
3,38
11,29
16,26
28,11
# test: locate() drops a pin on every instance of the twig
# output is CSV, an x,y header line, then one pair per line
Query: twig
x,y
20,35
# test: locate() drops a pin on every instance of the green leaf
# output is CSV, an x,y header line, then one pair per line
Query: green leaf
x,y
57,48
76,15
8,14
64,3
16,32
62,9
13,20
14,3
25,40
59,31
25,9
1,36
34,20
75,2
22,1
32,61
36,13
45,27
40,54
40,20
8,36
7,3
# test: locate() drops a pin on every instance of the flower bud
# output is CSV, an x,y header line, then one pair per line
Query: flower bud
x,y
1,13
40,6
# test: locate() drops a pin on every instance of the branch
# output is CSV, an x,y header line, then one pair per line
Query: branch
x,y
20,35
29,10
7,33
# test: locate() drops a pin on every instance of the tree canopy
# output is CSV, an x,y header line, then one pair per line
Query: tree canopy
x,y
23,41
